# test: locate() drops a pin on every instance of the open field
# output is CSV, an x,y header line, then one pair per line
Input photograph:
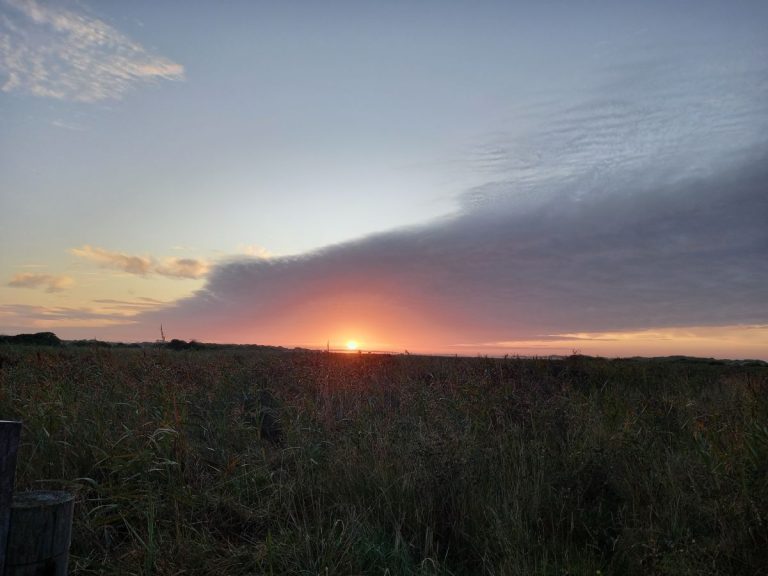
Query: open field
x,y
377,464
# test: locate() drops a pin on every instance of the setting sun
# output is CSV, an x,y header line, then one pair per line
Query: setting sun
x,y
352,345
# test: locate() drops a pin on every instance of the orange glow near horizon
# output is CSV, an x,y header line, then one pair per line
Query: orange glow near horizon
x,y
348,323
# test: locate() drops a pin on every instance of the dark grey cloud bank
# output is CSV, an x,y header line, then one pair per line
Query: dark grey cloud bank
x,y
642,203
692,253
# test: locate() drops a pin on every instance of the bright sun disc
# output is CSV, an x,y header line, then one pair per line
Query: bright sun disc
x,y
352,345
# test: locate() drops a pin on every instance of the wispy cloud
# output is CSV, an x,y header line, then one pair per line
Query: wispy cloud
x,y
255,250
140,265
67,125
53,52
143,265
20,317
182,268
127,307
50,282
82,321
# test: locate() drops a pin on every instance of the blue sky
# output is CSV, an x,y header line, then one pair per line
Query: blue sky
x,y
201,138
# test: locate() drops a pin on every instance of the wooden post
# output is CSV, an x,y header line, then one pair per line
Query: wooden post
x,y
41,530
9,445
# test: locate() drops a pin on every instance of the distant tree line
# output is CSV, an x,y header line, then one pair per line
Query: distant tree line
x,y
50,339
38,339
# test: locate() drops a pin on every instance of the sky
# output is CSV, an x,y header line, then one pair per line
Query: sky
x,y
523,178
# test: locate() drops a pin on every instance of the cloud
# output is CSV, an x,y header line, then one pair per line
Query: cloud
x,y
140,265
68,125
79,322
691,253
127,307
49,282
182,268
16,318
53,52
255,251
143,265
633,214
639,212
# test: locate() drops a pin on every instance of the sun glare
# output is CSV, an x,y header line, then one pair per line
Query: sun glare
x,y
352,344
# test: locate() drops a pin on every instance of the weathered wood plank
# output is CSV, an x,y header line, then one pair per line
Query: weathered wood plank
x,y
9,445
40,534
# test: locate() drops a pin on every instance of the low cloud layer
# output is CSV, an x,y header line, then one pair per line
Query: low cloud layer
x,y
48,282
189,268
48,51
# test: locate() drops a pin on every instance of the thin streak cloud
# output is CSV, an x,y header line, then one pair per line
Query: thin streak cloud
x,y
23,317
52,52
182,268
49,282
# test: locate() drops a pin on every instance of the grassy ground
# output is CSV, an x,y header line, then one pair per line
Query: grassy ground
x,y
394,464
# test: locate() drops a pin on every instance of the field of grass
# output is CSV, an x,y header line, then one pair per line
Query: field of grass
x,y
248,461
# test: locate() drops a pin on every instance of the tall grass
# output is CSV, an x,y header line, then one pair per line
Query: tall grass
x,y
395,464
